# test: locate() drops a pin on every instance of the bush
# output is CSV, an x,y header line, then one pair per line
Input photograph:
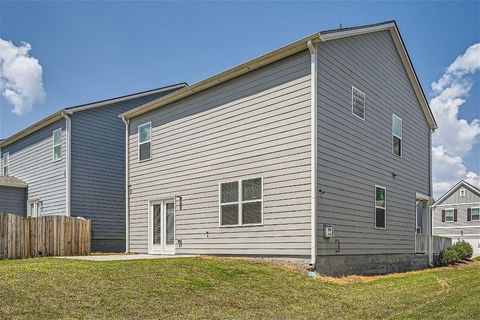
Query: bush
x,y
464,250
448,256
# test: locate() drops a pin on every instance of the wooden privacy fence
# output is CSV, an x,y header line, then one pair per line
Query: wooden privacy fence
x,y
25,237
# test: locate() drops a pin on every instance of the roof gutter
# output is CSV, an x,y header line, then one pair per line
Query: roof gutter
x,y
127,186
239,70
25,132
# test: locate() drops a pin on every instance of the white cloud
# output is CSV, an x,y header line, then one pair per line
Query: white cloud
x,y
20,76
455,137
448,170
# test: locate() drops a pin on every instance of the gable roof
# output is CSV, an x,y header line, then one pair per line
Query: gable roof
x,y
461,183
10,181
291,49
69,110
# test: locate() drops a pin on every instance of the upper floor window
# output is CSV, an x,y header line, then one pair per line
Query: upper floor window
x,y
449,215
473,214
144,141
463,192
380,207
57,144
5,163
241,202
397,135
358,103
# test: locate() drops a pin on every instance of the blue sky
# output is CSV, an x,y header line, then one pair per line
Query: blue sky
x,y
96,50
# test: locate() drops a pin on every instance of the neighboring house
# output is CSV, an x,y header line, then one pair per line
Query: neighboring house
x,y
318,150
74,164
13,196
456,215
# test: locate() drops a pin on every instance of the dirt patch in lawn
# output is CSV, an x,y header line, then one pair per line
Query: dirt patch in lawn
x,y
365,279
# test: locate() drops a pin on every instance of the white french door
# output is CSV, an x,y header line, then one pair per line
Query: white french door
x,y
162,227
33,208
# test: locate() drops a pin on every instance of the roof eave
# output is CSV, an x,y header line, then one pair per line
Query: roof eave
x,y
239,70
290,49
29,130
59,114
455,188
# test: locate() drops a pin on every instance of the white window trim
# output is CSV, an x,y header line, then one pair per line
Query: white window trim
x,y
463,192
140,143
471,214
364,104
394,135
375,205
239,202
6,155
453,215
56,145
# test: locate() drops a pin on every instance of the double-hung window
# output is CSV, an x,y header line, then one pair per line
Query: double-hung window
x,y
380,207
5,163
57,144
475,214
241,202
397,146
144,141
358,103
449,215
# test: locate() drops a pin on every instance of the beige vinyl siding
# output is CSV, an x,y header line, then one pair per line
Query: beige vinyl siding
x,y
355,155
257,125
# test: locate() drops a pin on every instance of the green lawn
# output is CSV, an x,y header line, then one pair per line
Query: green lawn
x,y
200,288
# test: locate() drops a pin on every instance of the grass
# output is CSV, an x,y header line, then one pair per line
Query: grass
x,y
206,288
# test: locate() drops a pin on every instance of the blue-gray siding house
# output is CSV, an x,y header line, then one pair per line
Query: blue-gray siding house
x,y
318,150
13,196
74,164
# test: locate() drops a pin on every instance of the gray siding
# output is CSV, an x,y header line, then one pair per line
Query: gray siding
x,y
453,229
31,160
98,171
13,200
455,197
255,125
355,155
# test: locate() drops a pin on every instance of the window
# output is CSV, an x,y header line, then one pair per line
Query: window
x,y
144,141
462,192
241,202
380,207
397,135
57,144
449,215
358,103
5,163
475,214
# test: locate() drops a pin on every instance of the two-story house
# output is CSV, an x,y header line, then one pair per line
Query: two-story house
x,y
73,163
456,215
319,150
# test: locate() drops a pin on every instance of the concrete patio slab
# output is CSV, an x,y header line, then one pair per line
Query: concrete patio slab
x,y
120,257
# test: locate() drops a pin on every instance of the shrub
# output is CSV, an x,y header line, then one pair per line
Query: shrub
x,y
464,250
448,256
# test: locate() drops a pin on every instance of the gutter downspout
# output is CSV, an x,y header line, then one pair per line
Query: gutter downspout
x,y
430,206
127,187
68,167
312,48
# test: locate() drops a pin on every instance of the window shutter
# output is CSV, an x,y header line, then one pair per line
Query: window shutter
x,y
443,215
469,214
455,215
